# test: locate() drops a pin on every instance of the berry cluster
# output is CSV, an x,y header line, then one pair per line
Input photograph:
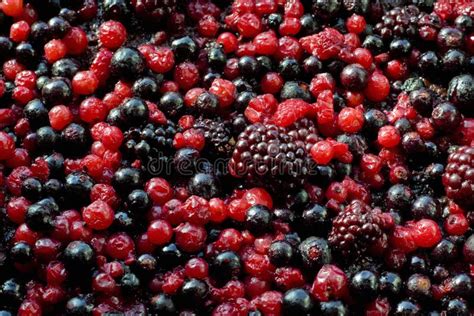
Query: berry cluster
x,y
236,157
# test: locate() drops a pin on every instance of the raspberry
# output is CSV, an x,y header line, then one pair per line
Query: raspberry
x,y
458,179
290,111
325,44
112,34
358,228
26,78
261,108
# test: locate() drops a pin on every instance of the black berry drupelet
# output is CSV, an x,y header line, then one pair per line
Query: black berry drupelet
x,y
358,228
272,155
458,178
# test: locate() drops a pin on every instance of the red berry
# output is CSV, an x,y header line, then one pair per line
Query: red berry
x,y
186,75
7,146
378,87
266,43
159,190
85,82
160,232
290,26
26,78
228,41
249,25
355,24
225,92
196,210
190,238
159,59
388,136
19,31
13,8
456,224
350,120
54,50
208,26
98,215
271,83
325,44
322,152
112,34
92,110
16,209
112,138
120,246
75,41
427,233
59,117
196,268
330,284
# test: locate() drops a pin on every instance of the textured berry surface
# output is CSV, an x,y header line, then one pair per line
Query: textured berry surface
x,y
237,157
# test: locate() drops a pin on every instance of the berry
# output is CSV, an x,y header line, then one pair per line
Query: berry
x,y
358,228
112,34
457,177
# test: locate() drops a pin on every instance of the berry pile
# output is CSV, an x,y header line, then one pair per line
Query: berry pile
x,y
237,157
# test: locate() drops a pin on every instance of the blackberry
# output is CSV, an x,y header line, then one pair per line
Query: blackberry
x,y
218,134
273,156
358,228
458,179
399,22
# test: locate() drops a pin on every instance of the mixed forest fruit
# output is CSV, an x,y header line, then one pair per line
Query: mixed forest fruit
x,y
237,157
